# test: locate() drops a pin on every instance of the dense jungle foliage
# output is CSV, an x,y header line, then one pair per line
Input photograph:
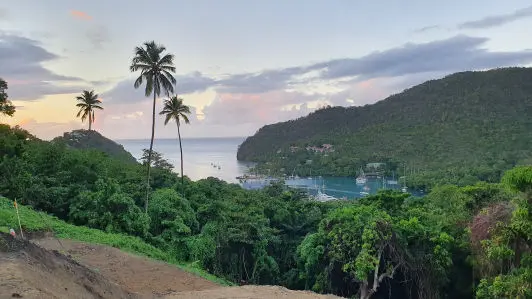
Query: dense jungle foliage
x,y
456,242
463,128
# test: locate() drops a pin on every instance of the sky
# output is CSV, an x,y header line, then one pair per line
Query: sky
x,y
242,64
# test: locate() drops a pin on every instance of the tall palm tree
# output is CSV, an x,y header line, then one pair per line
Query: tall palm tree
x,y
156,69
176,110
88,101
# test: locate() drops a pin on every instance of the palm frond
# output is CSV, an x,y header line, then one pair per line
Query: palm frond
x,y
167,85
169,76
138,82
185,118
167,61
167,118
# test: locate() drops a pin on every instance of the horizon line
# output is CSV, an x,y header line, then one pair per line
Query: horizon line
x,y
174,138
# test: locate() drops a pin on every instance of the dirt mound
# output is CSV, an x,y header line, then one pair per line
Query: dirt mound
x,y
49,268
29,271
256,292
134,273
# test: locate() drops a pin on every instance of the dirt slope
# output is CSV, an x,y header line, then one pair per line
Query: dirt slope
x,y
48,268
29,271
136,274
259,292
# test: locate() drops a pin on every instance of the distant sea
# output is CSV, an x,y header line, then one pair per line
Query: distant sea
x,y
201,153
198,154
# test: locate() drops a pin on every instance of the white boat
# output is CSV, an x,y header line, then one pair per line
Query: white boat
x,y
320,196
361,178
404,190
364,193
324,197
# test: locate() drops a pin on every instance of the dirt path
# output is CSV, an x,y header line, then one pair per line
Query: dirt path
x,y
45,268
136,274
257,292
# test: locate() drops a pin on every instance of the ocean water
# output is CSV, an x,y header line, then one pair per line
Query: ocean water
x,y
201,153
198,154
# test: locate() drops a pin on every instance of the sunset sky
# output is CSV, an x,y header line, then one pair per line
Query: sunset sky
x,y
242,64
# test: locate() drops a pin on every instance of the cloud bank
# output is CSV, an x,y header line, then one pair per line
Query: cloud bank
x,y
497,20
454,54
21,62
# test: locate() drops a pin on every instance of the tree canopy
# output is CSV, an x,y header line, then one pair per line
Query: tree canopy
x,y
6,107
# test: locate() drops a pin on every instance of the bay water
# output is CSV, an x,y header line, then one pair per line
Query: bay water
x,y
216,157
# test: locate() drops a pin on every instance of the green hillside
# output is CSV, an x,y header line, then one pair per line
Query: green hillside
x,y
83,139
481,121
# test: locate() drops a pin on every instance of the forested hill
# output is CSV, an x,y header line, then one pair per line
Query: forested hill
x,y
479,120
83,139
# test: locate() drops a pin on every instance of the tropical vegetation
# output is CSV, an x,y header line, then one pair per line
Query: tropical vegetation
x,y
455,242
6,107
466,127
88,102
174,109
156,68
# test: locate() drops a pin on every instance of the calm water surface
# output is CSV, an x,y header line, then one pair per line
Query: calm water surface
x,y
199,155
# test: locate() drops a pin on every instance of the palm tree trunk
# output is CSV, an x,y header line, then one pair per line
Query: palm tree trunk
x,y
181,150
149,155
90,120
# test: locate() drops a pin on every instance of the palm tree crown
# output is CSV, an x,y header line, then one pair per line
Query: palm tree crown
x,y
88,101
156,69
175,109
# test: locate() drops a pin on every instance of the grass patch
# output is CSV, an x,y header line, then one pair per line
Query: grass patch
x,y
34,221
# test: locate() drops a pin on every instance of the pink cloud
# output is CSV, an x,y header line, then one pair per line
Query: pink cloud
x,y
80,15
259,109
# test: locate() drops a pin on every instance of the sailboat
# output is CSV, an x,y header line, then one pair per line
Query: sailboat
x,y
320,196
404,189
361,179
